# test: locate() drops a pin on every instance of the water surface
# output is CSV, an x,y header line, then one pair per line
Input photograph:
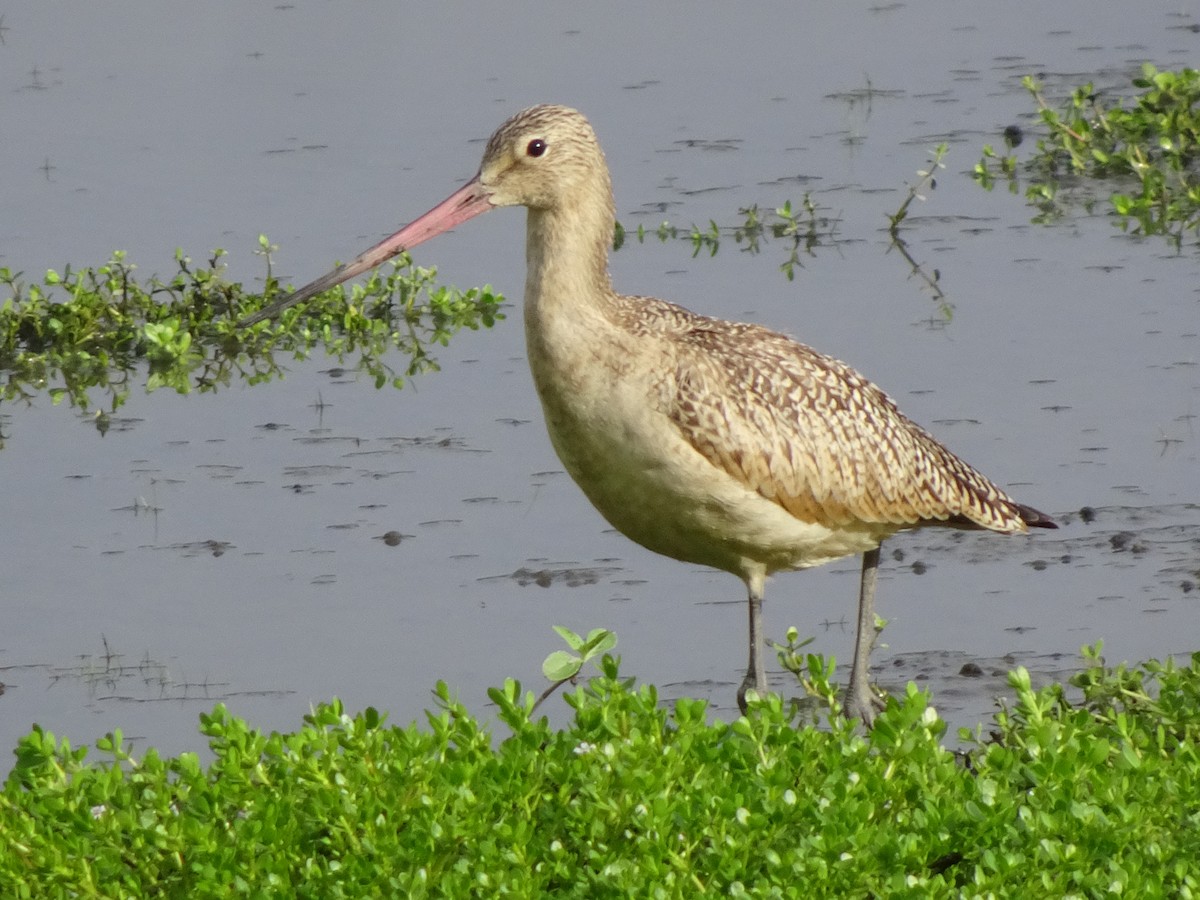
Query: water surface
x,y
228,547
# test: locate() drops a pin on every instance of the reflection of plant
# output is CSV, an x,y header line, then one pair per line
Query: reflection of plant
x,y
926,179
1152,146
94,328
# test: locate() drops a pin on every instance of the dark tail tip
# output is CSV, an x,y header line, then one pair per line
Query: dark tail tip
x,y
1035,519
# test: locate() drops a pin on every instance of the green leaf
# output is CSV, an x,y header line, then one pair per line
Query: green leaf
x,y
574,641
599,641
561,665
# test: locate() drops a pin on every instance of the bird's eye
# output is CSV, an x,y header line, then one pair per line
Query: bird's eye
x,y
536,148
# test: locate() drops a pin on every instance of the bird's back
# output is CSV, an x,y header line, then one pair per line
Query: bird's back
x,y
808,432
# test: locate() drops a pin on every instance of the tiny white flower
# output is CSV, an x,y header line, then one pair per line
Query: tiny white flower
x,y
98,810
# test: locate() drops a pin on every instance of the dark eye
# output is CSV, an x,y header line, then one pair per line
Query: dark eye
x,y
536,148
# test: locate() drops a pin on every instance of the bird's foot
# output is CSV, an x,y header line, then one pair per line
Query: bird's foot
x,y
864,703
749,684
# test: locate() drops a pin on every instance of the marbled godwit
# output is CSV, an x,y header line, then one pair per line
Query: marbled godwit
x,y
722,444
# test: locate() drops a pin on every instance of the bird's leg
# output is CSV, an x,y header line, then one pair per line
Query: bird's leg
x,y
756,672
863,701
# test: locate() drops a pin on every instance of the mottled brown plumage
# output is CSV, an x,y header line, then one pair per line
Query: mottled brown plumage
x,y
810,433
723,444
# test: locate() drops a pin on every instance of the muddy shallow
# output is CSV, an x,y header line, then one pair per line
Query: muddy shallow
x,y
242,547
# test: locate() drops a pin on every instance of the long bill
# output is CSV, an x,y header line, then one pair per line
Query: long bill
x,y
467,202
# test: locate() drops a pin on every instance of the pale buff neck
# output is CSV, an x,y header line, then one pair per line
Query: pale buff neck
x,y
566,249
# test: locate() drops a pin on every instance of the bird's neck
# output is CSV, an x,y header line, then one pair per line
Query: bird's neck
x,y
566,256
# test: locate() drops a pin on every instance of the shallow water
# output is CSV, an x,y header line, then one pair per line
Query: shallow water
x,y
228,547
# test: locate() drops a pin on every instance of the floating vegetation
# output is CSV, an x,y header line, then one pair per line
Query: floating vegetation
x,y
926,180
800,230
97,329
1147,147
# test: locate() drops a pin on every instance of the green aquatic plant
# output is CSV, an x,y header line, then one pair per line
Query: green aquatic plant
x,y
562,666
1147,147
926,181
98,329
1089,797
800,231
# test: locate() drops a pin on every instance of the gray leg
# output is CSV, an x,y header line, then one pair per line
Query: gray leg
x,y
756,672
863,701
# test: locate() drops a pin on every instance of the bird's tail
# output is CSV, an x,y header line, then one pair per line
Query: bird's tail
x,y
1033,518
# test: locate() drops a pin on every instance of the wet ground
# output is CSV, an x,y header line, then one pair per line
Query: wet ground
x,y
274,546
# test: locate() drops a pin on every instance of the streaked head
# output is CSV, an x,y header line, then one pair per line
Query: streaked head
x,y
540,158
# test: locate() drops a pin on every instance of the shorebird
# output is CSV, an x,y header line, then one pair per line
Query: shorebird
x,y
717,443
